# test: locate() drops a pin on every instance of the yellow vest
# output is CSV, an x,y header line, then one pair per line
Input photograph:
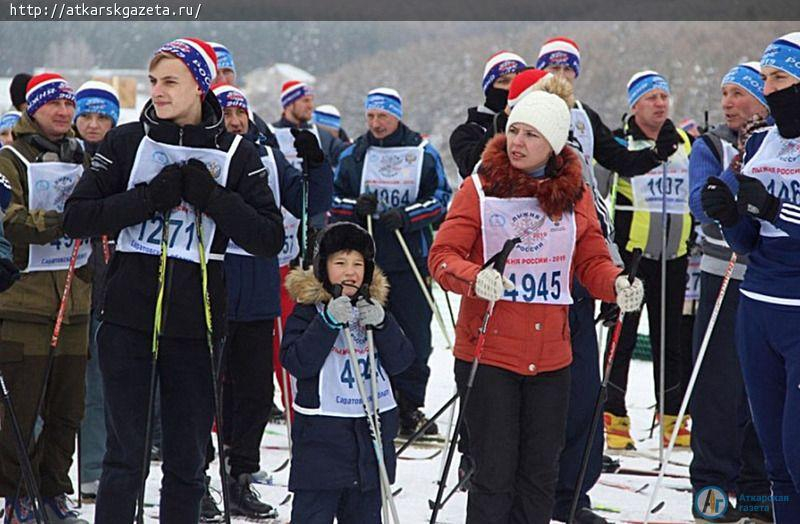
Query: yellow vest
x,y
645,229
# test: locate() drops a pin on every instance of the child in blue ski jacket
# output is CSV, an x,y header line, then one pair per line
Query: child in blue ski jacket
x,y
334,469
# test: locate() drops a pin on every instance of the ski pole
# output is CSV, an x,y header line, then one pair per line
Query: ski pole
x,y
24,459
695,372
287,405
106,249
423,287
80,464
304,246
226,497
369,224
601,395
151,400
499,263
51,352
373,378
377,445
662,336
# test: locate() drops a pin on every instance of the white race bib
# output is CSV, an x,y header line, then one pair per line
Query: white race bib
x,y
648,193
393,175
539,266
286,143
777,165
145,238
290,222
338,392
49,186
581,128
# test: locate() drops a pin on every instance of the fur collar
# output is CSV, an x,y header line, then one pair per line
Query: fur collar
x,y
556,194
304,288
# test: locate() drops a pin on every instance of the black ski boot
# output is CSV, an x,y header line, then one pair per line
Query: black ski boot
x,y
209,512
610,465
245,500
412,420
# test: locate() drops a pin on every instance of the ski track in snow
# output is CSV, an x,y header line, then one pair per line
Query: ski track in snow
x,y
418,478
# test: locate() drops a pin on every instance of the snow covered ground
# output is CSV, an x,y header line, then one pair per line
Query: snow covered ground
x,y
614,496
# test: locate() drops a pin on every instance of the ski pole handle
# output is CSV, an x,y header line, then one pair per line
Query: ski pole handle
x,y
637,257
498,261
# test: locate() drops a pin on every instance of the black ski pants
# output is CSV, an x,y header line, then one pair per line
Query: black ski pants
x,y
725,448
516,432
650,273
184,375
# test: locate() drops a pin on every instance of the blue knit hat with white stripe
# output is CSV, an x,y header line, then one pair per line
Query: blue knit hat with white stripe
x,y
642,83
747,76
328,115
9,120
224,57
784,54
385,99
97,97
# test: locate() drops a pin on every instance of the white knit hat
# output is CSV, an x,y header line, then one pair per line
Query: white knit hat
x,y
546,112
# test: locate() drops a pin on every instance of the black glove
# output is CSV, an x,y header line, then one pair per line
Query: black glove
x,y
198,184
307,147
164,191
8,274
393,219
366,204
718,202
754,199
609,313
667,140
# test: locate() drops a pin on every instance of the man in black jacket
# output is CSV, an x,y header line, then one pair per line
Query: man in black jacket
x,y
156,173
466,141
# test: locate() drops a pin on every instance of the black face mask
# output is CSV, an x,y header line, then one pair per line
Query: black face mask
x,y
784,106
496,99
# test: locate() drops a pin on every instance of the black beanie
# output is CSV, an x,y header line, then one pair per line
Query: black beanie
x,y
343,236
18,88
